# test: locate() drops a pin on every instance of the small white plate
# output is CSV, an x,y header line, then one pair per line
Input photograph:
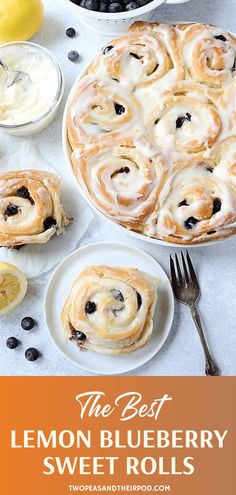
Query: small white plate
x,y
112,254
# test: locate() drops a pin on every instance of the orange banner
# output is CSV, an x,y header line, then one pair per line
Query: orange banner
x,y
62,435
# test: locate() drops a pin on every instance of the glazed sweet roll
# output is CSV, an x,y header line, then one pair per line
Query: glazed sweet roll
x,y
121,180
187,120
142,56
209,53
154,119
196,205
99,111
30,207
110,310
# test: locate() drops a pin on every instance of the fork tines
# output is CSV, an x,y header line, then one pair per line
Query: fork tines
x,y
185,275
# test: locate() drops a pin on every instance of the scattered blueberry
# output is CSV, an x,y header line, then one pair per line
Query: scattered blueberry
x,y
220,37
31,354
139,300
132,6
49,222
11,210
216,206
119,109
27,323
190,222
79,335
90,307
73,56
210,169
12,342
180,120
115,7
70,32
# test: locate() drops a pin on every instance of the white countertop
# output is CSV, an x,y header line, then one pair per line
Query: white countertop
x,y
216,266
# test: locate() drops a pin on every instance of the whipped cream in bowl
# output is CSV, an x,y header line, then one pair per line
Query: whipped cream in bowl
x,y
30,105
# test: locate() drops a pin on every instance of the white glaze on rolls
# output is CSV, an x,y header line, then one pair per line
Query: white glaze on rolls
x,y
177,87
112,307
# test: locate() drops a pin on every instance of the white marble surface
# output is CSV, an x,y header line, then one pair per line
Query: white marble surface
x,y
181,355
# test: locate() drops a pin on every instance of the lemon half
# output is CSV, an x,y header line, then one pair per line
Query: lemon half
x,y
13,287
20,19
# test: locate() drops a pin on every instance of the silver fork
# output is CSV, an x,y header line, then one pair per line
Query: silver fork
x,y
186,289
13,76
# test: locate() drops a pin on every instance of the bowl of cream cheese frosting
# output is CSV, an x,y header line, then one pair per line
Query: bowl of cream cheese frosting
x,y
29,105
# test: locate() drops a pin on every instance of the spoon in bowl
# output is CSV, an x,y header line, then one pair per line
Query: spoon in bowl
x,y
13,76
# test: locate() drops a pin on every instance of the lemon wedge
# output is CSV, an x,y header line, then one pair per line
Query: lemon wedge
x,y
13,287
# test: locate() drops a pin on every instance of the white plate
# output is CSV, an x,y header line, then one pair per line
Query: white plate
x,y
68,151
112,254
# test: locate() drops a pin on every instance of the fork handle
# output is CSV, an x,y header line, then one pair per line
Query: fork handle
x,y
211,369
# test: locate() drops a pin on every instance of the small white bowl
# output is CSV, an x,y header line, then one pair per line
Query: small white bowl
x,y
109,24
44,120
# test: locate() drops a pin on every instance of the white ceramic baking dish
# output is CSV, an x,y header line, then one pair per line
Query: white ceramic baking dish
x,y
67,153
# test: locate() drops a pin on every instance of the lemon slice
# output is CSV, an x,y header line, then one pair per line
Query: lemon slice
x,y
13,287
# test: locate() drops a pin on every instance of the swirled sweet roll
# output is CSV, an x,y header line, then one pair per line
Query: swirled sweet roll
x,y
30,207
110,310
142,56
121,181
99,111
209,53
195,205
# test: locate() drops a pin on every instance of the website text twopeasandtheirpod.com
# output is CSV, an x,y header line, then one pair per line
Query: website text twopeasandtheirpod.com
x,y
119,488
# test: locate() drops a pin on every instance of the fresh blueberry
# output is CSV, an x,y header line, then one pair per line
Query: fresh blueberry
x,y
11,210
132,6
115,7
70,32
90,307
27,323
49,222
216,206
190,222
12,342
103,7
92,4
180,120
73,56
119,109
31,354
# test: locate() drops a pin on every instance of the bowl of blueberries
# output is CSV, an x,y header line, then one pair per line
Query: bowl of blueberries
x,y
113,17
